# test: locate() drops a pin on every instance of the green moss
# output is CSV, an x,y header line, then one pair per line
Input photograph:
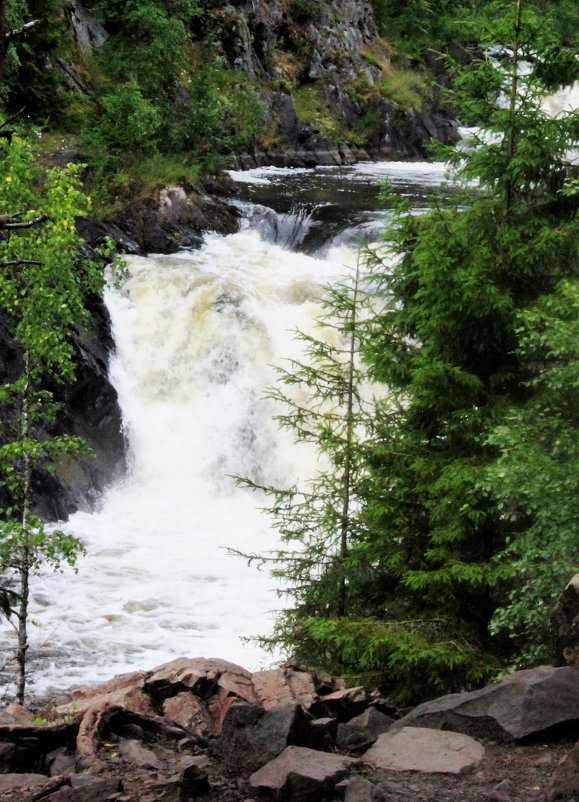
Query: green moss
x,y
365,129
407,88
313,110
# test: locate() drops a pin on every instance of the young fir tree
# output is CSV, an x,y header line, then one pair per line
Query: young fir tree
x,y
450,348
327,401
43,287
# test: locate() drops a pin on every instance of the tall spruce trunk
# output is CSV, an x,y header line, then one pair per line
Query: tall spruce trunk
x,y
347,475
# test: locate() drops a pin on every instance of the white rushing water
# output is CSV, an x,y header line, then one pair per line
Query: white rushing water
x,y
196,335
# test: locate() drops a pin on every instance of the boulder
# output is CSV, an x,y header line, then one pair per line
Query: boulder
x,y
138,755
194,781
345,703
187,710
251,736
359,789
16,714
427,750
565,624
284,687
205,677
124,689
89,789
361,731
60,761
522,704
301,774
22,782
564,783
324,732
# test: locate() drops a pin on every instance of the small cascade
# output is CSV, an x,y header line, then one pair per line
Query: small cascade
x,y
287,229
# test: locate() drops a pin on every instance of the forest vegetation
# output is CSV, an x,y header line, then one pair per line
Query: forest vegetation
x,y
426,557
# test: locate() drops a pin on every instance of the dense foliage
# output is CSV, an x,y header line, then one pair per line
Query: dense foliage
x,y
468,487
152,95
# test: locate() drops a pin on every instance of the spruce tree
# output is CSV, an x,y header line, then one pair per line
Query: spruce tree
x,y
328,403
451,343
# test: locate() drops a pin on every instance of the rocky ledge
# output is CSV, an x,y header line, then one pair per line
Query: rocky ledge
x,y
206,728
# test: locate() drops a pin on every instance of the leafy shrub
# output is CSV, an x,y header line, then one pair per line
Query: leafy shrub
x,y
129,122
221,111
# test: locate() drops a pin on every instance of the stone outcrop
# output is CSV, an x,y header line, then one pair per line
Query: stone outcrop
x,y
329,49
524,703
565,624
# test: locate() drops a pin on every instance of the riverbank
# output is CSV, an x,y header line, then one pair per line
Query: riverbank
x,y
208,728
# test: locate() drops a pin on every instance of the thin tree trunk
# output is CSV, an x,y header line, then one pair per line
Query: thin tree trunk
x,y
2,34
24,561
347,475
512,140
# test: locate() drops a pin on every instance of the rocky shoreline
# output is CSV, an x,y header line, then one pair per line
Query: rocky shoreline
x,y
206,728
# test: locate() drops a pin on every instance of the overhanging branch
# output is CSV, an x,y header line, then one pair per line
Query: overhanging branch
x,y
9,35
20,262
11,223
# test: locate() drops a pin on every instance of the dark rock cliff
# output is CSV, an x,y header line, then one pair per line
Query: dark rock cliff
x,y
89,410
331,50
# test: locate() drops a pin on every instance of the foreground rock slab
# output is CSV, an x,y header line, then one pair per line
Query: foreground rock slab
x,y
301,775
525,703
427,750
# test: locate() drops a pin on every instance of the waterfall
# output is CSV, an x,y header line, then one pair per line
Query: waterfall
x,y
196,335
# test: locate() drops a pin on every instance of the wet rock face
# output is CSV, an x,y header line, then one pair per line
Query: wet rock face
x,y
90,410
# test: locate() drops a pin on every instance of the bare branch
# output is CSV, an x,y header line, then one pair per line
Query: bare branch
x,y
10,223
20,262
9,35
